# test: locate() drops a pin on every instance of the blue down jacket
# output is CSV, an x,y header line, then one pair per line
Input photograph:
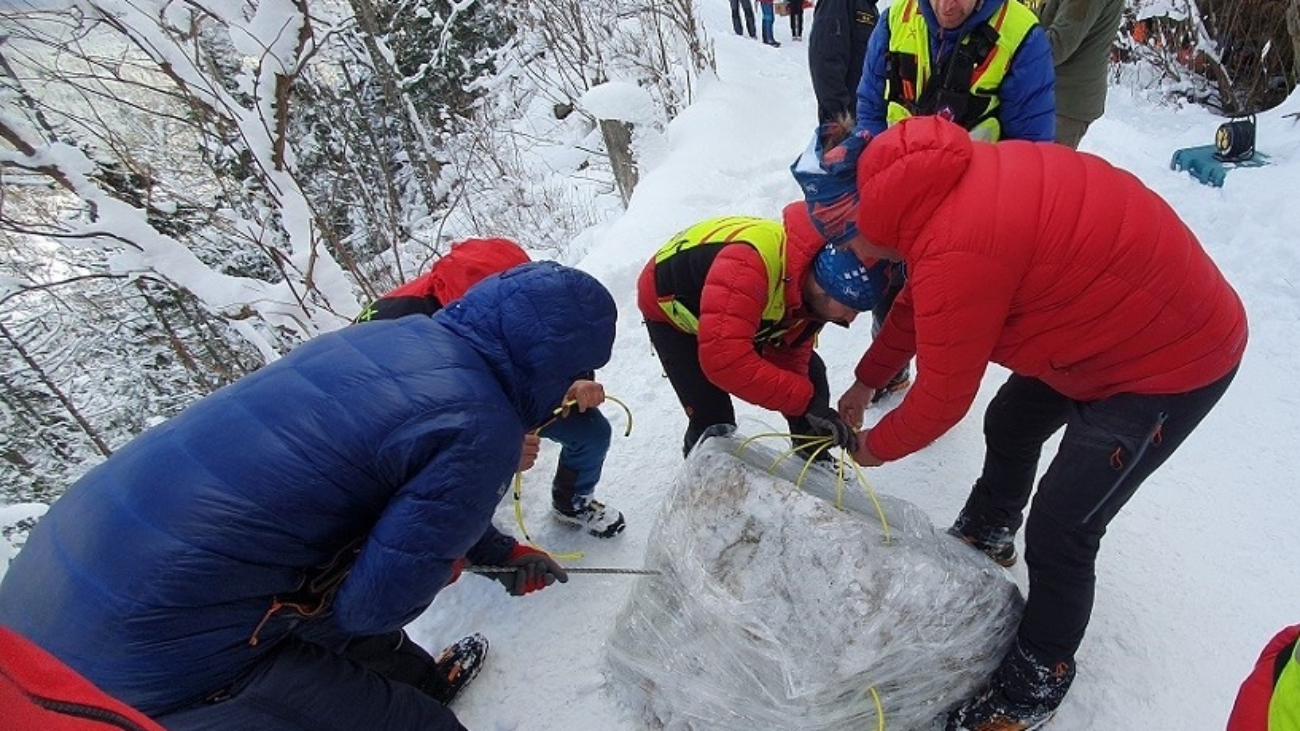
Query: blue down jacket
x,y
150,575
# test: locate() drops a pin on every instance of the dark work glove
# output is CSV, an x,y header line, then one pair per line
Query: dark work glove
x,y
826,422
534,570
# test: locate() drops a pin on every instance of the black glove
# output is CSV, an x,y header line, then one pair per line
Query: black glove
x,y
826,422
534,570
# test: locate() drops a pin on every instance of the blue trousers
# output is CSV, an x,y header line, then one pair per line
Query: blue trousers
x,y
769,19
1109,448
584,438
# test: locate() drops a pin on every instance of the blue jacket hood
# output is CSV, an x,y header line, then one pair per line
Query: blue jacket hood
x,y
571,331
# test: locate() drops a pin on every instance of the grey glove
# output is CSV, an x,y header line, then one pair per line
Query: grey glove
x,y
826,422
534,570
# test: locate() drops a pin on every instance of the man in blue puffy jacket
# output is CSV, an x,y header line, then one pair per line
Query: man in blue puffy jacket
x,y
250,563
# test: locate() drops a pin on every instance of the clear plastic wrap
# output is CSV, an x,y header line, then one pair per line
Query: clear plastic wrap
x,y
774,609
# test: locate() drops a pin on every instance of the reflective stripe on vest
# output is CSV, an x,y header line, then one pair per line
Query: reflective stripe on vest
x,y
1284,706
766,237
909,39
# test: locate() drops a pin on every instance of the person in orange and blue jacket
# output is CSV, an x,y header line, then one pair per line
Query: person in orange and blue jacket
x,y
250,563
582,431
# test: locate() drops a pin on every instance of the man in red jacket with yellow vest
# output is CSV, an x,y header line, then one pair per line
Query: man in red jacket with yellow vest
x,y
1114,322
733,305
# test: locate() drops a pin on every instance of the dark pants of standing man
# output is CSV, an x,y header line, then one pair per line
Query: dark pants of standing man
x,y
1109,447
795,10
748,6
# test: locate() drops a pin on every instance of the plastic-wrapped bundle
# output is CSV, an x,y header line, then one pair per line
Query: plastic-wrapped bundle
x,y
776,610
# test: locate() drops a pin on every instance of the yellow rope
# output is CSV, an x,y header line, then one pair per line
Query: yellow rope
x,y
745,443
519,518
822,444
880,709
519,478
626,410
866,486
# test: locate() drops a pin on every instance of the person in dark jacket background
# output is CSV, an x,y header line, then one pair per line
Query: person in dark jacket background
x,y
837,46
794,8
219,571
583,432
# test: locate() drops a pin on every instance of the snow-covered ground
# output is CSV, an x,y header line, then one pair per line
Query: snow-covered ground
x,y
1196,573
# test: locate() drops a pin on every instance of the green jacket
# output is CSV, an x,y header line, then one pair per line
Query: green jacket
x,y
1081,33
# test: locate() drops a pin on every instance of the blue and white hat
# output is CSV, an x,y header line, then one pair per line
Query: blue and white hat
x,y
829,183
848,280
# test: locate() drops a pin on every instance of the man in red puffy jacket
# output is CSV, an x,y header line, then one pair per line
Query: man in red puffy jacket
x,y
1114,322
733,305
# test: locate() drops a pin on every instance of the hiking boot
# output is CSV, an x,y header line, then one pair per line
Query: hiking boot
x,y
1023,695
996,542
599,519
454,667
900,381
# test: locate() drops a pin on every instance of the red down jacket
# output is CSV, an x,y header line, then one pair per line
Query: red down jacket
x,y
39,693
1047,261
732,298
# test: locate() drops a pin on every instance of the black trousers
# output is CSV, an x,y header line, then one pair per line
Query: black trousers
x,y
1109,448
748,7
319,680
705,404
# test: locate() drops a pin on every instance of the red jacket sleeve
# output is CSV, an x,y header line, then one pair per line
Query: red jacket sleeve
x,y
1250,710
959,306
892,347
731,309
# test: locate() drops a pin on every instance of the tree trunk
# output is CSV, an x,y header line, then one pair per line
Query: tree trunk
x,y
618,145
1293,30
71,408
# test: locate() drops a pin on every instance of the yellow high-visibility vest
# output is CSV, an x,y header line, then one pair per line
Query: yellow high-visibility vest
x,y
909,48
765,236
1284,706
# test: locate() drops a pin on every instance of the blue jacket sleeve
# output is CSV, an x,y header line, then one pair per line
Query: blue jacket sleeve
x,y
493,549
1029,92
871,89
443,509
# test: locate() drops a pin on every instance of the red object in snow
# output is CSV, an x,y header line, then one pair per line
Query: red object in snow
x,y
40,693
